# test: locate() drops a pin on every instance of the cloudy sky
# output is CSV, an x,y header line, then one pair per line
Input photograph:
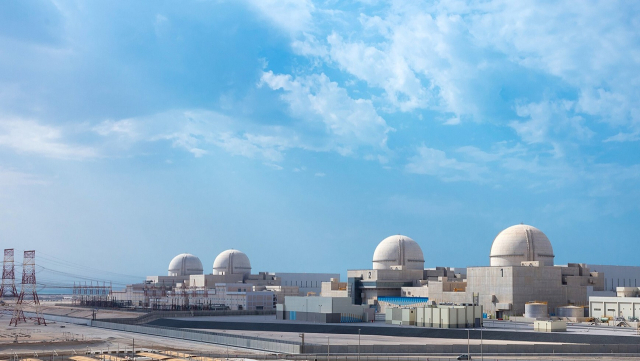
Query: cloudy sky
x,y
303,133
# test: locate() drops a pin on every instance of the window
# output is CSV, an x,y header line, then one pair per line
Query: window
x,y
597,309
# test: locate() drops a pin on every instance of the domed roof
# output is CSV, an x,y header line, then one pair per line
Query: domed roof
x,y
521,243
185,265
398,251
231,261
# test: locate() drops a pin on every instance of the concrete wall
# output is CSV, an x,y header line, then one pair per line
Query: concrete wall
x,y
618,276
306,282
256,343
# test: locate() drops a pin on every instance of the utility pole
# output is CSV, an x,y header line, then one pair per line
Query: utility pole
x,y
468,342
133,346
481,351
358,344
327,348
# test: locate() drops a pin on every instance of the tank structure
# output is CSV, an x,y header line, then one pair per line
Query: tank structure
x,y
570,311
537,310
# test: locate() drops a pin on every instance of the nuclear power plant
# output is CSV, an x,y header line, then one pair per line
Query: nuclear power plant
x,y
405,292
230,285
521,276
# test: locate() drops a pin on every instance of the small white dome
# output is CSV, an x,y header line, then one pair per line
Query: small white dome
x,y
521,243
231,261
398,251
185,265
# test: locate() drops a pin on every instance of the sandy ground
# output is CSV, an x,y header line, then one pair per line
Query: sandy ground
x,y
66,338
51,308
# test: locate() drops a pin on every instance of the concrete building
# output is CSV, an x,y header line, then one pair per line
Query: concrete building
x,y
521,270
398,264
306,282
187,287
618,276
624,306
438,316
323,310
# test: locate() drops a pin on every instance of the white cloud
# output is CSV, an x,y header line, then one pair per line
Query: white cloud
x,y
31,137
348,123
320,174
290,15
195,130
624,137
386,69
550,122
435,162
329,120
454,56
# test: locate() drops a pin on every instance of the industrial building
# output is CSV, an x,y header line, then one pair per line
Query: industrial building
x,y
438,316
625,306
230,285
323,310
521,270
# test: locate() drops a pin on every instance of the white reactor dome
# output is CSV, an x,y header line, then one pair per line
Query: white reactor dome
x,y
185,265
398,251
521,243
231,261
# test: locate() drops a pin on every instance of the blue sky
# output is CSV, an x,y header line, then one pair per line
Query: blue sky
x,y
303,133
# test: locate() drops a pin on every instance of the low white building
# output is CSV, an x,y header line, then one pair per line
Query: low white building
x,y
626,306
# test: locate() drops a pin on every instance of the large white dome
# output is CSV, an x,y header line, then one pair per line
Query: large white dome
x,y
185,265
231,261
398,251
521,243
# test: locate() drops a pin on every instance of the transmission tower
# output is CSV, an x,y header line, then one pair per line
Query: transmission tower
x,y
28,292
8,288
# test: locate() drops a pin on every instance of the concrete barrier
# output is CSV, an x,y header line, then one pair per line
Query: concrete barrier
x,y
512,349
255,343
